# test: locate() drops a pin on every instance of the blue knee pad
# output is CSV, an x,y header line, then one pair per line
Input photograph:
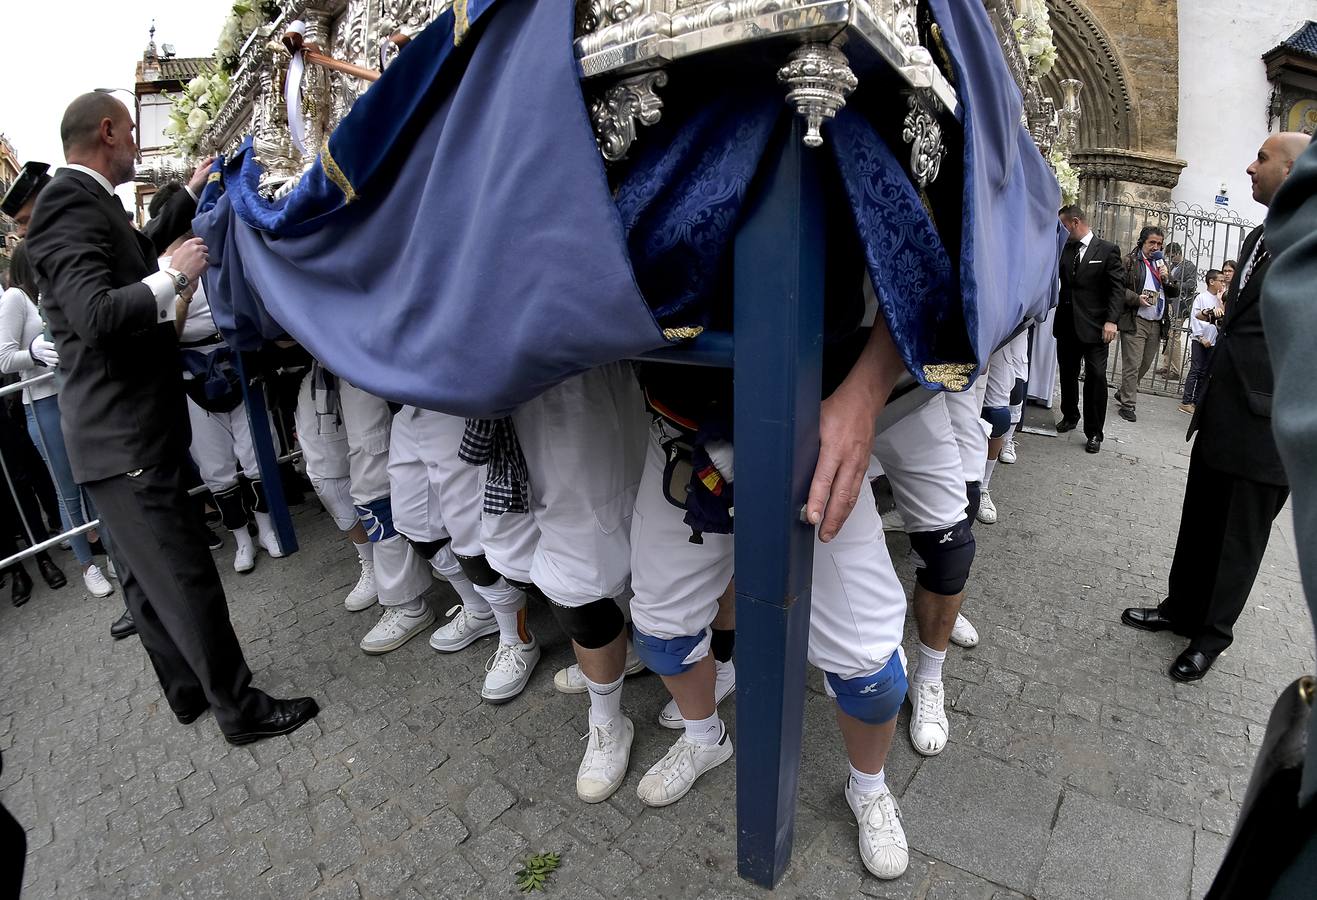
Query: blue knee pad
x,y
945,557
670,656
377,518
999,417
875,698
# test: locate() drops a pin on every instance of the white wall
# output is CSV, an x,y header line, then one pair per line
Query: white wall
x,y
1224,93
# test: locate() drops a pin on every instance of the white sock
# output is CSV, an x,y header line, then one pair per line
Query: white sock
x,y
930,663
507,603
724,671
987,473
242,537
413,607
865,783
605,701
445,563
366,551
704,731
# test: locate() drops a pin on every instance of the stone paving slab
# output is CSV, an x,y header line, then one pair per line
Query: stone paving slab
x,y
1071,751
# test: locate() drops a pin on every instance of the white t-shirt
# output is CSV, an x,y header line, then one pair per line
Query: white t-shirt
x,y
1197,327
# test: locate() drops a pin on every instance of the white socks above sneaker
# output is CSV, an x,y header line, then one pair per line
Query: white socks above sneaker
x,y
987,474
507,603
930,663
605,701
704,731
864,783
366,551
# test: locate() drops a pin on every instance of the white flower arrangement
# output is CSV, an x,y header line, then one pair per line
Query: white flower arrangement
x,y
1066,175
1033,32
194,109
244,18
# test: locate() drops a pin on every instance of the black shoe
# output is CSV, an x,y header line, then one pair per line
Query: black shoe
x,y
1093,445
215,541
50,572
22,584
1127,414
97,548
1191,665
187,717
1066,425
123,627
285,716
1147,618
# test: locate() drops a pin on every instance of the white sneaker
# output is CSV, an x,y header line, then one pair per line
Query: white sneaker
x,y
672,777
964,634
987,509
929,727
265,535
396,628
882,839
724,683
109,568
1007,454
603,767
571,681
364,593
244,558
95,582
509,669
462,630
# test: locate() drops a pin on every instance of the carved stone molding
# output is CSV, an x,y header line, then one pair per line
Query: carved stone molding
x,y
1085,52
1117,164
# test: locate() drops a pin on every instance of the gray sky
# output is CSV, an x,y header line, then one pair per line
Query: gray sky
x,y
53,50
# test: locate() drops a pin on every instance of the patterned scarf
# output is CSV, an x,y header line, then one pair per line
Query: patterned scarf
x,y
493,443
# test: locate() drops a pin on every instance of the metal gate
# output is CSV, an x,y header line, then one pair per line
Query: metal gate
x,y
1208,237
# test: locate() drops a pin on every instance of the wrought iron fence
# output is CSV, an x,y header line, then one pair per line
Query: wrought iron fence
x,y
1207,237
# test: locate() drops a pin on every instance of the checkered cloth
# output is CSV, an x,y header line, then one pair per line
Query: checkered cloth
x,y
493,443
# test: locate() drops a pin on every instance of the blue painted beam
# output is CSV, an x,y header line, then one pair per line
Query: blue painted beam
x,y
712,348
267,455
778,320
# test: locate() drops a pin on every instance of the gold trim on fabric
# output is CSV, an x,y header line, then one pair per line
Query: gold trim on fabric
x,y
684,333
461,25
336,174
952,376
214,177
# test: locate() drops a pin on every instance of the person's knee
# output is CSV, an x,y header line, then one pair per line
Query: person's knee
x,y
873,699
592,625
427,549
947,556
999,417
377,518
671,656
478,570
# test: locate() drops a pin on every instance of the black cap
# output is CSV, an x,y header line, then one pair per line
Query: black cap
x,y
26,186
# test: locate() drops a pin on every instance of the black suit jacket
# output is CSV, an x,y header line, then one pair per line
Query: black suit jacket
x,y
121,404
1233,418
1092,294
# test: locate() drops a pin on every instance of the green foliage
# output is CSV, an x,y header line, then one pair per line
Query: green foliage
x,y
535,872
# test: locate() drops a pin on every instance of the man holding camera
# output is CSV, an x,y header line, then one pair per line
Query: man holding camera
x,y
1146,318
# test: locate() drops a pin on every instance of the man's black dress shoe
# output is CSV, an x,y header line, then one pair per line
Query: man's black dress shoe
x,y
284,716
1066,425
50,572
1148,618
22,590
1192,665
1093,445
123,627
1127,414
189,716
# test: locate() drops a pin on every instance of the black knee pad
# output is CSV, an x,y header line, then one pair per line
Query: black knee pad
x,y
477,569
594,625
1018,391
427,549
257,501
233,514
973,493
946,556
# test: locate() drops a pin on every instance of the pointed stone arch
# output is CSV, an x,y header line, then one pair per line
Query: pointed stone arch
x,y
1085,51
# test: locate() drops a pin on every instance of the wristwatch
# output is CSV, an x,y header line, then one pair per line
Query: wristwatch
x,y
181,281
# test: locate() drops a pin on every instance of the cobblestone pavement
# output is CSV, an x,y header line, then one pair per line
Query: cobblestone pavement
x,y
1076,768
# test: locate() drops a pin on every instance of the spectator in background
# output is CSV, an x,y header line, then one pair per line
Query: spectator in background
x,y
1185,276
1147,314
1227,278
1207,309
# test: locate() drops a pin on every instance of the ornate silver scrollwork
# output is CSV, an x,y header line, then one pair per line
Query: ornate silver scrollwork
x,y
617,112
924,135
819,79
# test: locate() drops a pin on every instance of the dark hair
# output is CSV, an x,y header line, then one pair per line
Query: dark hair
x,y
1143,236
162,196
1210,274
83,117
21,273
1231,263
1173,248
1072,211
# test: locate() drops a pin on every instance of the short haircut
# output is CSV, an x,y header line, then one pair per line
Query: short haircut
x,y
1073,211
1174,248
82,119
1210,274
163,196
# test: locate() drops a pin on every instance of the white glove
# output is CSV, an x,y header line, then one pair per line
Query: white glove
x,y
43,352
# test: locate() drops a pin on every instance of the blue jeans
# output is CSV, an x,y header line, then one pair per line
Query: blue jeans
x,y
74,507
1196,381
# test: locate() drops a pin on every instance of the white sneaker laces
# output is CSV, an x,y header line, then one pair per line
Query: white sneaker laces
x,y
507,658
930,702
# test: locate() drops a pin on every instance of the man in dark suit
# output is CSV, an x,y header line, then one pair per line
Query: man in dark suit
x,y
1236,485
111,312
1092,297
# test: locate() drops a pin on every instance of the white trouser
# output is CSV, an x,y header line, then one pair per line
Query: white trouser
x,y
221,445
966,412
324,446
921,459
857,607
584,445
435,494
1006,366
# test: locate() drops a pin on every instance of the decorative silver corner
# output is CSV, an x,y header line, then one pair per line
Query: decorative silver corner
x,y
924,135
621,108
819,78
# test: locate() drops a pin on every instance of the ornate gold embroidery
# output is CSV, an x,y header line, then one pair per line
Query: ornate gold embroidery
x,y
461,25
336,174
213,177
684,333
952,376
